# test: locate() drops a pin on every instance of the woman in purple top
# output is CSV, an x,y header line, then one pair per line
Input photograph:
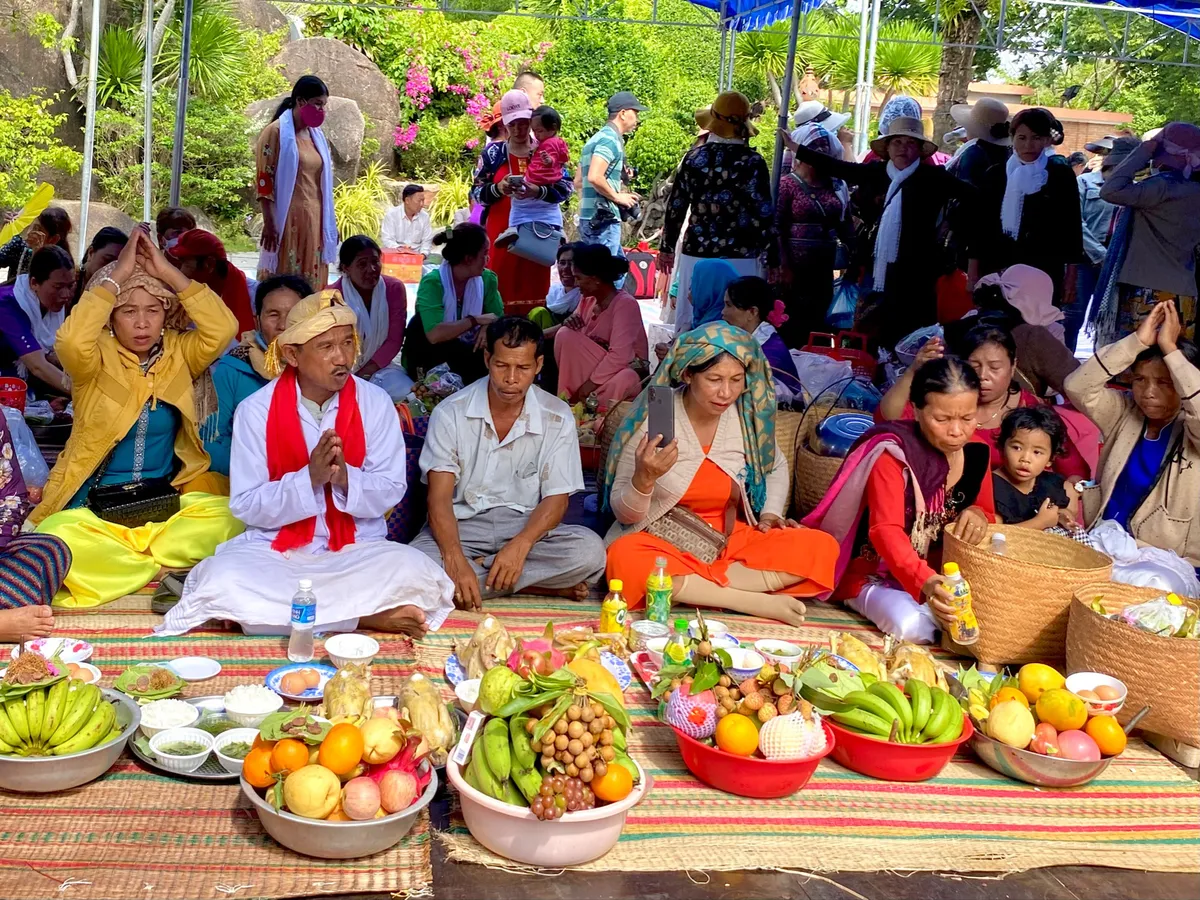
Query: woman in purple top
x,y
750,306
31,309
32,566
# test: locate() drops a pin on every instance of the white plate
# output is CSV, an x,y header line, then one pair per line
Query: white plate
x,y
194,668
73,650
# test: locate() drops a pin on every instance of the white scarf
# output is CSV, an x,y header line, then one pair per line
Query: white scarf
x,y
285,183
472,297
887,239
44,324
763,332
1023,179
373,323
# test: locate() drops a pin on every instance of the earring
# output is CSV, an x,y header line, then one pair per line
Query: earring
x,y
163,332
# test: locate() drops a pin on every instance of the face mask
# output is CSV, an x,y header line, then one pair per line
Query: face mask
x,y
311,116
170,244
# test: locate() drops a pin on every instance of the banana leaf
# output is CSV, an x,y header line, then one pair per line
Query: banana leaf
x,y
126,683
274,727
13,691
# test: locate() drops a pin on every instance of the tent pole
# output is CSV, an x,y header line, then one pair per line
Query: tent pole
x,y
870,82
862,104
786,100
148,120
89,133
732,57
724,49
181,104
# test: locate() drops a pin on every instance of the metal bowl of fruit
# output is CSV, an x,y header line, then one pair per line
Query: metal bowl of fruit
x,y
48,773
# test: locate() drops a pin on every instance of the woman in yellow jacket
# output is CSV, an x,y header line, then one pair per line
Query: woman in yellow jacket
x,y
133,368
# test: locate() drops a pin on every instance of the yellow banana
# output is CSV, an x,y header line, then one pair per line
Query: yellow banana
x,y
56,706
8,734
77,716
35,713
7,748
91,733
18,717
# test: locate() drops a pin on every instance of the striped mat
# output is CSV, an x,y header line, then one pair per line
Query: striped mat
x,y
1143,813
137,833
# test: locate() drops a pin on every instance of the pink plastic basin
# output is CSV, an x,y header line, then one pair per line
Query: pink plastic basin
x,y
517,834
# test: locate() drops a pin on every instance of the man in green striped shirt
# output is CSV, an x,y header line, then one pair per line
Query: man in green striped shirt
x,y
601,165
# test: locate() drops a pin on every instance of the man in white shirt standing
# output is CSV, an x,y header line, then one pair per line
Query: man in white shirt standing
x,y
501,459
407,226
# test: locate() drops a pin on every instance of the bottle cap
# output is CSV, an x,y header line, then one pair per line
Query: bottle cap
x,y
999,536
660,562
950,569
306,584
615,585
681,625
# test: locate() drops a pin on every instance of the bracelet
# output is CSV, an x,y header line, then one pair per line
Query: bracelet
x,y
116,287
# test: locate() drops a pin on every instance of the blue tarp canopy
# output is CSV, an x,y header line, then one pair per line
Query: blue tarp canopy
x,y
1161,12
753,15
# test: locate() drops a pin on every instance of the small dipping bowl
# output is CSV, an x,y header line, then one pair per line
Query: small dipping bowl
x,y
746,663
779,652
150,730
233,736
715,629
181,764
1089,681
655,646
248,719
467,693
645,631
351,648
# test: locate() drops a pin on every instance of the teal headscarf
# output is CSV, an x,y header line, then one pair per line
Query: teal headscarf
x,y
756,405
710,279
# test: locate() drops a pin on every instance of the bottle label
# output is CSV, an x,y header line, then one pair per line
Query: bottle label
x,y
304,613
658,604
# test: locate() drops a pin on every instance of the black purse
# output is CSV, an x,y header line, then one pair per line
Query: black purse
x,y
134,503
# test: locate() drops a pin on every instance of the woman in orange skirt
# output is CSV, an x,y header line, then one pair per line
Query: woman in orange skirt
x,y
722,466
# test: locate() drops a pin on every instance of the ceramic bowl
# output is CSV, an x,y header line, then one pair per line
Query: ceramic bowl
x,y
181,764
1089,681
252,719
715,629
467,693
231,764
779,652
351,648
654,647
746,663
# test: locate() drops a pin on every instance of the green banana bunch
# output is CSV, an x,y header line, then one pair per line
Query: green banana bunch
x,y
68,717
925,715
523,756
497,751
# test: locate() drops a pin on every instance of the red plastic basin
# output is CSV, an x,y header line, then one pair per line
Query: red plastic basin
x,y
747,776
894,762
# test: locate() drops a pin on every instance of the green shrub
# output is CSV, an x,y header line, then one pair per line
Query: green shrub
x,y
359,206
440,147
656,149
27,143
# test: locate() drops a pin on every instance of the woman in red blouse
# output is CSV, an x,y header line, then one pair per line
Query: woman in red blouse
x,y
901,484
992,353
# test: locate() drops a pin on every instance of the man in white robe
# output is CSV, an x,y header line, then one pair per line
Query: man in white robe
x,y
314,508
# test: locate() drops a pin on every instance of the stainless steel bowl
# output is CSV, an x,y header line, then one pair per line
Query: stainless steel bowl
x,y
1035,768
338,840
45,774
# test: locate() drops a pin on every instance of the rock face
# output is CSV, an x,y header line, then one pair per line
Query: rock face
x,y
343,129
26,66
259,15
100,215
348,74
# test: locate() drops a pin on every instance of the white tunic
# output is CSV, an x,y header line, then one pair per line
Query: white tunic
x,y
250,583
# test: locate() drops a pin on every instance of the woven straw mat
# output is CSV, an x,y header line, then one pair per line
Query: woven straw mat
x,y
1142,813
137,833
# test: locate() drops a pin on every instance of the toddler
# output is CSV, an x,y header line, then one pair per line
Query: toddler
x,y
1026,492
545,168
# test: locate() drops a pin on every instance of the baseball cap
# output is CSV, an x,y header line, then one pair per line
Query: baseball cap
x,y
623,100
1103,145
515,105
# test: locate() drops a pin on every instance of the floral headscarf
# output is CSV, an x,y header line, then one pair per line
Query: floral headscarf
x,y
177,317
756,405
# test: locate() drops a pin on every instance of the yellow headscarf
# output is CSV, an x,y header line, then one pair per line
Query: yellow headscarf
x,y
310,318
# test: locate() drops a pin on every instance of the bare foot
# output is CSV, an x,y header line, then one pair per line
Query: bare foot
x,y
25,622
403,619
578,592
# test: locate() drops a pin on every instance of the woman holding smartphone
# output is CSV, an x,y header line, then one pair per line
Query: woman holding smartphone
x,y
711,502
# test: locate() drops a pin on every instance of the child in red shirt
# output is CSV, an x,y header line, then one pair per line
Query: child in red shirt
x,y
546,166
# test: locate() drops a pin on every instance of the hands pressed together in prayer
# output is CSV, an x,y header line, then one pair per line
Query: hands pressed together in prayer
x,y
327,464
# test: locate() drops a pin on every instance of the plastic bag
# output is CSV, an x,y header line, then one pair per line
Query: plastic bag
x,y
840,314
817,371
907,346
1159,617
39,412
29,457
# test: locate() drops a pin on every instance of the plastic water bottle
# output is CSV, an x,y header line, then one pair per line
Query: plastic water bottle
x,y
658,593
304,615
964,629
999,544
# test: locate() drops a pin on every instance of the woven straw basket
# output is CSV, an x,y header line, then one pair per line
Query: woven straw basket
x,y
786,425
1023,599
1160,672
813,473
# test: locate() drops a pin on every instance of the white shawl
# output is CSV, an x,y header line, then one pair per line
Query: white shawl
x,y
44,324
285,182
373,323
1023,179
472,298
887,239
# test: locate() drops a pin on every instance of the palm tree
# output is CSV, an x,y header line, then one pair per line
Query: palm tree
x,y
764,53
906,59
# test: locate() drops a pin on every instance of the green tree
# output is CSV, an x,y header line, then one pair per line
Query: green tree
x,y
27,143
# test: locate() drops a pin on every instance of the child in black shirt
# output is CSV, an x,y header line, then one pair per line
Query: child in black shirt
x,y
1026,492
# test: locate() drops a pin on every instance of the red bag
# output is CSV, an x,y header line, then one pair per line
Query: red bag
x,y
643,266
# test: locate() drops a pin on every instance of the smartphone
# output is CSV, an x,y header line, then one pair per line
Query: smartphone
x,y
660,417
516,180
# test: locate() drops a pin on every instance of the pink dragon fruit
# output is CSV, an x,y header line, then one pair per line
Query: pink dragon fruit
x,y
693,714
537,655
406,761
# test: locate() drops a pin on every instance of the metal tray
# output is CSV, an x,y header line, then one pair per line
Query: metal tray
x,y
211,769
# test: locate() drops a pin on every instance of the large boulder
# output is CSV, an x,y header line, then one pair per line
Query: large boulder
x,y
348,73
26,66
343,129
259,15
100,215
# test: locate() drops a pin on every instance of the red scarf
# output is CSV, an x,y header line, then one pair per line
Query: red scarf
x,y
287,452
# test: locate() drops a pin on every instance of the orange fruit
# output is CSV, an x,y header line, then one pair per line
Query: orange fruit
x,y
342,749
1008,693
1035,679
260,741
1107,733
1062,709
289,756
256,767
616,784
736,734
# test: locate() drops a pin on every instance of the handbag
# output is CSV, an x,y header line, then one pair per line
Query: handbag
x,y
134,503
537,242
686,531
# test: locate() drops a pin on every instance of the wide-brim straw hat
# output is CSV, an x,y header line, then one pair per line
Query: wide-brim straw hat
x,y
904,127
981,117
728,117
